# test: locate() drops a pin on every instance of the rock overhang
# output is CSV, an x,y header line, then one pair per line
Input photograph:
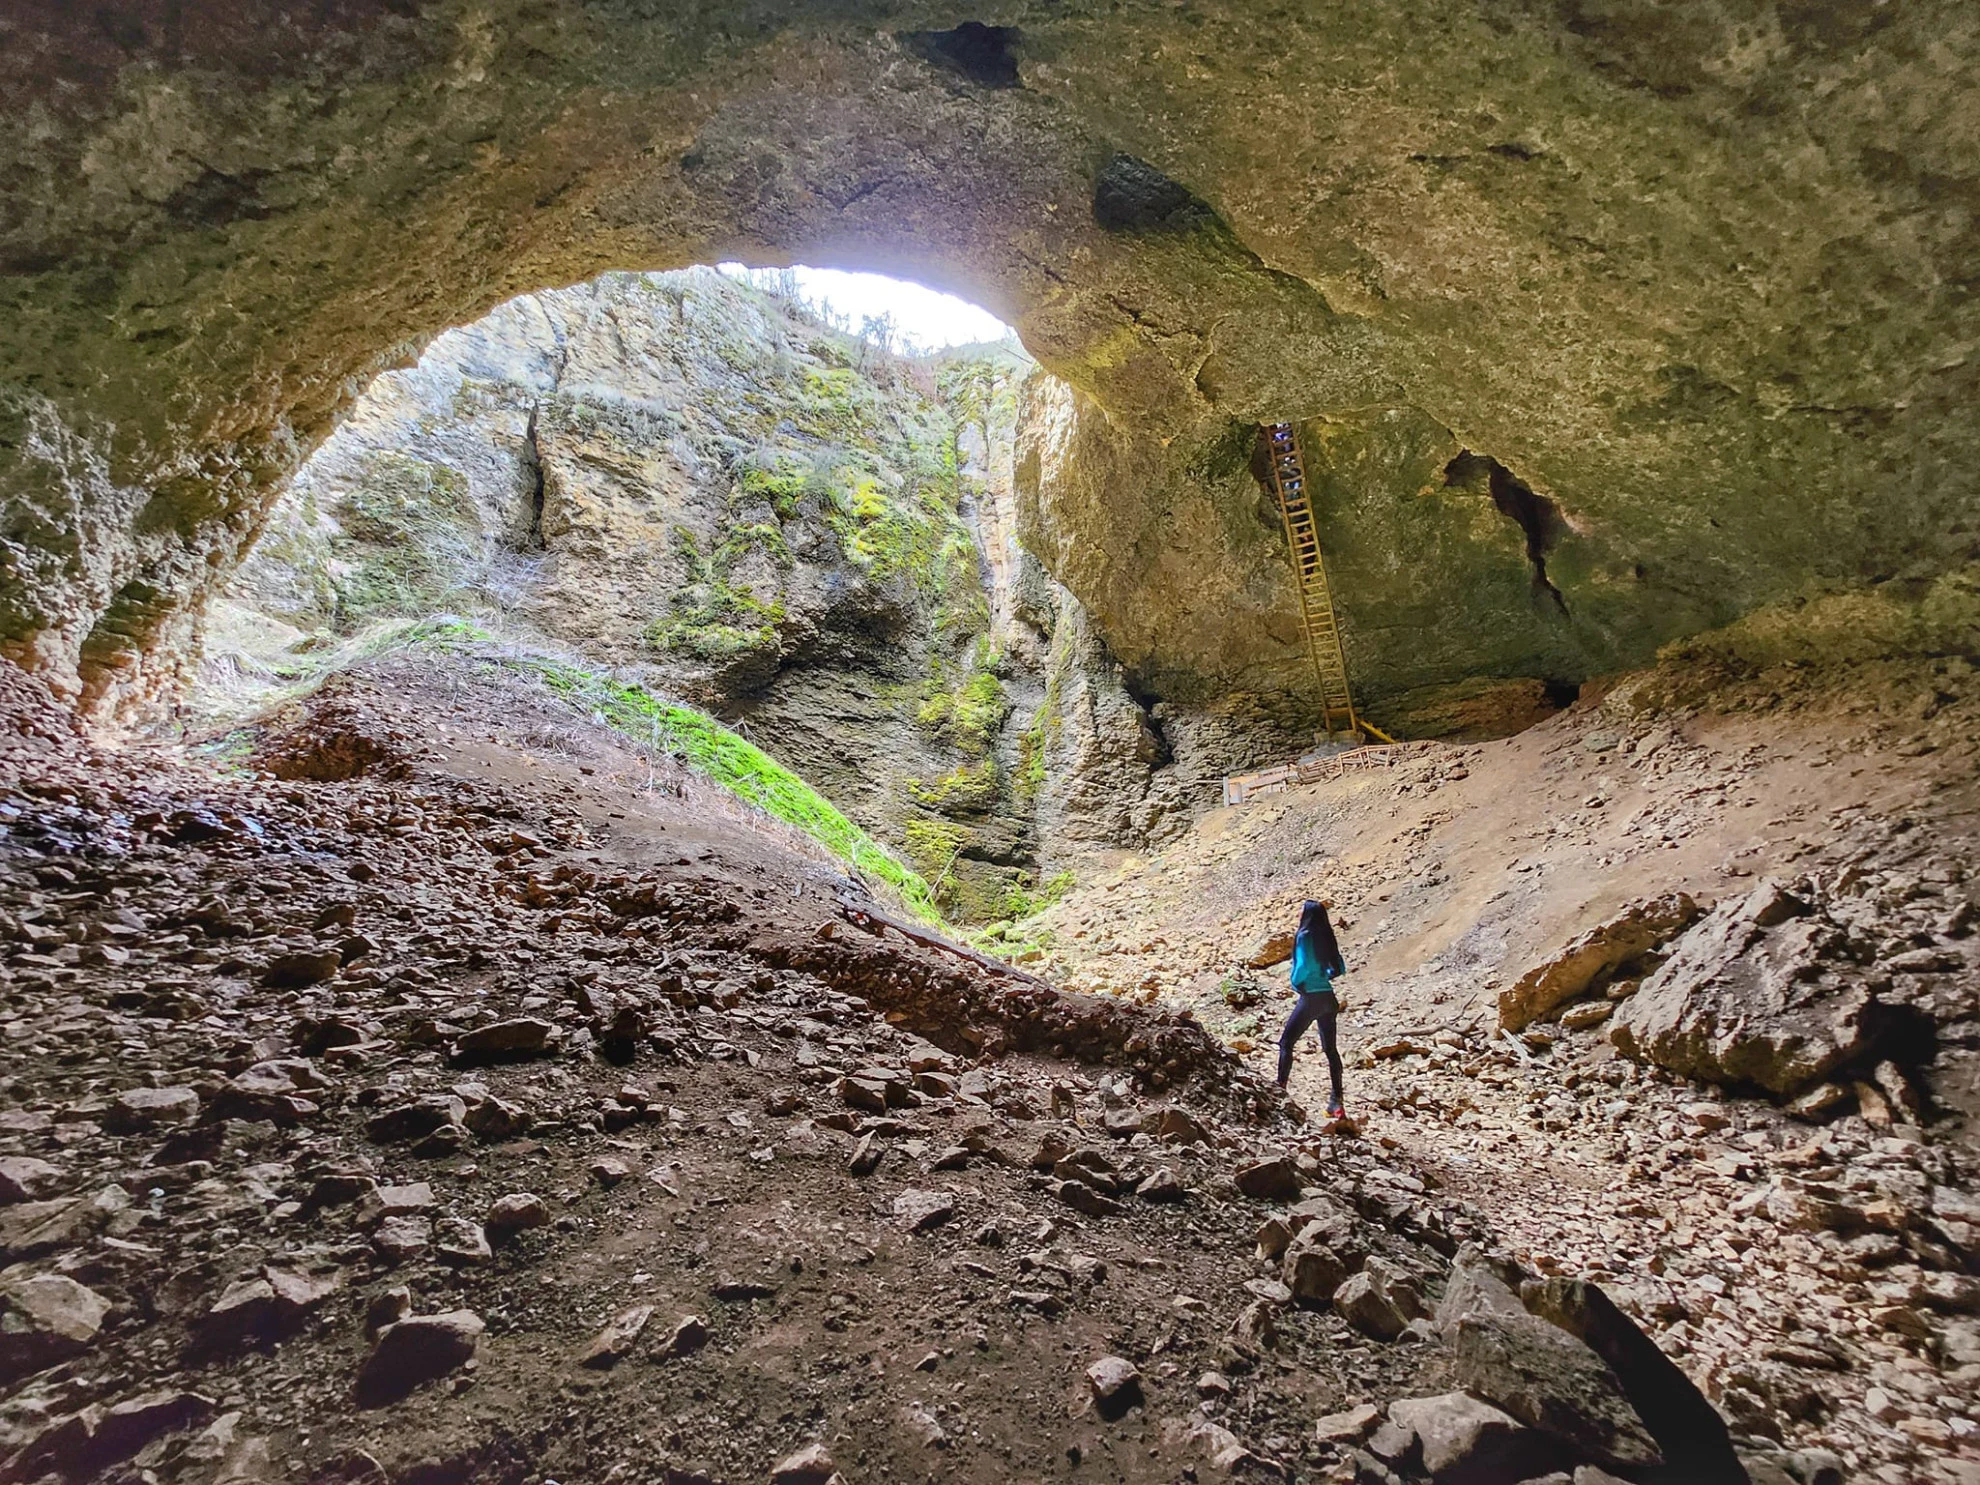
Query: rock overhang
x,y
1691,276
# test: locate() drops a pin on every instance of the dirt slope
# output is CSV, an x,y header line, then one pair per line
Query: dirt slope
x,y
1456,873
354,1098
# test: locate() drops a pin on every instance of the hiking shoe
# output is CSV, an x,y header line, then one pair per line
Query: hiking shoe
x,y
1335,1110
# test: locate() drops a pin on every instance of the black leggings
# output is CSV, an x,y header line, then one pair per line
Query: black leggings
x,y
1322,1009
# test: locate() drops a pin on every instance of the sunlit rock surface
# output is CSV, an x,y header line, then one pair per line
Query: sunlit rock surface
x,y
705,487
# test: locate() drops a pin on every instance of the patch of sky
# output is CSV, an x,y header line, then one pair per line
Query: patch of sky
x,y
894,313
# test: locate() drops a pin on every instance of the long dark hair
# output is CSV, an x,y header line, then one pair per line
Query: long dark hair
x,y
1318,936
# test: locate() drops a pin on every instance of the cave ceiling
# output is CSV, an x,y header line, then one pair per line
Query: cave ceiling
x,y
1699,273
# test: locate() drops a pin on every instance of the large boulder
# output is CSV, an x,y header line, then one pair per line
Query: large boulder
x,y
1273,1178
1696,1446
1539,1373
1468,1442
1767,990
261,1310
1594,956
1380,1300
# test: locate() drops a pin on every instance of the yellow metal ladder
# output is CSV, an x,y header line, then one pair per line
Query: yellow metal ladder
x,y
1316,599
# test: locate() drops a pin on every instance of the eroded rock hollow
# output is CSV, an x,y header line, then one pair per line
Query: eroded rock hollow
x,y
604,879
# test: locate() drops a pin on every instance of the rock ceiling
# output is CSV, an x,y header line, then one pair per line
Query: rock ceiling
x,y
1698,276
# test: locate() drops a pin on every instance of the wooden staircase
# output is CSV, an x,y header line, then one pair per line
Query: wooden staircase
x,y
1316,599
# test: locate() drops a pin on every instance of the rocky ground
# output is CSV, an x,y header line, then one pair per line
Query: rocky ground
x,y
1779,1180
442,1091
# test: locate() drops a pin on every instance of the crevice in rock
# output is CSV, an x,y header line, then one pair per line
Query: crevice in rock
x,y
1153,748
1910,1038
1537,516
1271,517
983,54
1560,694
1261,465
532,457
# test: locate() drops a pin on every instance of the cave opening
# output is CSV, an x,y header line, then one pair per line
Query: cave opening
x,y
1152,745
1695,272
774,502
1559,693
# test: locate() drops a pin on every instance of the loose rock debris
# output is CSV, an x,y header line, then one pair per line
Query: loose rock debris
x,y
1682,988
420,1220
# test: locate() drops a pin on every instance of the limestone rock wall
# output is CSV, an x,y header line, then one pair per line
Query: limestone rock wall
x,y
1699,275
424,500
1470,601
683,477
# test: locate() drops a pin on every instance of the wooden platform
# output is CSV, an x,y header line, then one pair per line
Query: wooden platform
x,y
1314,768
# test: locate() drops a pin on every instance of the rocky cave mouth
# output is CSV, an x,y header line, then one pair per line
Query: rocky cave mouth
x,y
660,894
815,522
795,514
764,495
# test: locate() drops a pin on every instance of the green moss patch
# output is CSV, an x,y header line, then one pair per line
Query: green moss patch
x,y
834,404
783,483
711,620
741,767
970,788
909,532
969,712
1015,934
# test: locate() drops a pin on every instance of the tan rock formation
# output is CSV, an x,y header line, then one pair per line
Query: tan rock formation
x,y
1695,278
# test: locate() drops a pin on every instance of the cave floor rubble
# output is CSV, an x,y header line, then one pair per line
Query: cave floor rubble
x,y
423,1086
1816,1276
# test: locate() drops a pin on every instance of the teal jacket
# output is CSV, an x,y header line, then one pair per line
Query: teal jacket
x,y
1309,975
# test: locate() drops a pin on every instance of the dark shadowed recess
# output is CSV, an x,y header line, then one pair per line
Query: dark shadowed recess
x,y
1130,195
1534,514
1690,1433
983,54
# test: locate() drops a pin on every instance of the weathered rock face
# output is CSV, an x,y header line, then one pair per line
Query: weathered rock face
x,y
670,470
1593,958
1445,596
704,486
701,485
1606,325
1543,1376
1767,990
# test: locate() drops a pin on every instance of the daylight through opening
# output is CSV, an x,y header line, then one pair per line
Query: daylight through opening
x,y
763,519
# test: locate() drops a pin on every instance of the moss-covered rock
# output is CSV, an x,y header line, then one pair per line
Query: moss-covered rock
x,y
643,470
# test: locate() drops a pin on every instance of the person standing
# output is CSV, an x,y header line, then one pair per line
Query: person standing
x,y
1316,964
